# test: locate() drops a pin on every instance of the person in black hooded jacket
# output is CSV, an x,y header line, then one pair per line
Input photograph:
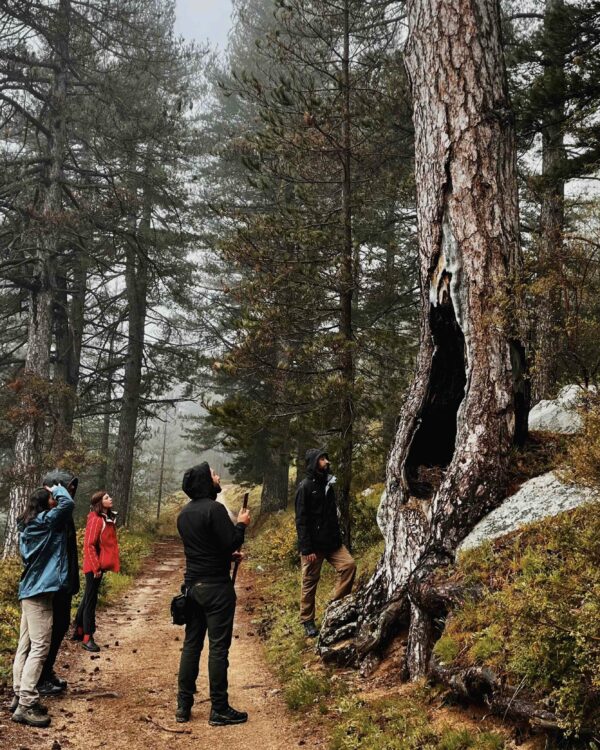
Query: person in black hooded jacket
x,y
210,542
319,536
50,683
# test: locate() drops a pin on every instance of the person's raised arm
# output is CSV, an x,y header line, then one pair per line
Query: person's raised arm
x,y
229,537
58,516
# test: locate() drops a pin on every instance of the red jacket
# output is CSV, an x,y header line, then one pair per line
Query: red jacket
x,y
100,545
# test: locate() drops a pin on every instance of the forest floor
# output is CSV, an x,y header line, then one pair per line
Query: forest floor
x,y
125,696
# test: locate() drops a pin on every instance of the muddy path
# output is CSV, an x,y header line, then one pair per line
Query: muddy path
x,y
124,697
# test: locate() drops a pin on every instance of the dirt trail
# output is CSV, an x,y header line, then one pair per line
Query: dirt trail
x,y
124,697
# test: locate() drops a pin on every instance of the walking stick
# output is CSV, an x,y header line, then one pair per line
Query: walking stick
x,y
236,564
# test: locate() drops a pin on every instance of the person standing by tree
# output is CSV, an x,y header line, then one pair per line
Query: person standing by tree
x,y
210,542
100,554
50,683
43,548
319,536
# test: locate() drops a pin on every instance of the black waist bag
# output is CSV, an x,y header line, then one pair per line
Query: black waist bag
x,y
179,607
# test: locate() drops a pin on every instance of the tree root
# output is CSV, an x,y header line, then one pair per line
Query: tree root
x,y
150,720
480,684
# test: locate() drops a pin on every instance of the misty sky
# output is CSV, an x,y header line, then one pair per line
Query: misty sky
x,y
204,19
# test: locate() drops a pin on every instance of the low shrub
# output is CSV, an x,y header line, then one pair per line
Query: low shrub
x,y
583,455
402,723
537,622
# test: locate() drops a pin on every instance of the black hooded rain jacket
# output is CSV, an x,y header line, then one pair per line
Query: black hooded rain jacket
x,y
316,510
209,537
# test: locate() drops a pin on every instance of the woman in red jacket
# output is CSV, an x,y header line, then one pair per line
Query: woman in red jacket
x,y
100,553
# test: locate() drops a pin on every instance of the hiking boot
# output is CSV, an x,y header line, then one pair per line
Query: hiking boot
x,y
310,629
48,688
15,702
58,681
76,635
91,645
182,714
226,717
34,716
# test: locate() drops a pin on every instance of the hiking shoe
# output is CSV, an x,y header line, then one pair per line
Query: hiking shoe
x,y
39,707
91,645
310,629
58,681
226,717
182,714
76,635
33,716
48,688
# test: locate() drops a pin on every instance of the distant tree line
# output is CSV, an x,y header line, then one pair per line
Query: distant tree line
x,y
242,231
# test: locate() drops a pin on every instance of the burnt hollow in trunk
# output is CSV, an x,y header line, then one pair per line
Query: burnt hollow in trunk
x,y
435,437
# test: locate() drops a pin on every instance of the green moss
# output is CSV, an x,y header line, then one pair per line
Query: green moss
x,y
537,621
446,649
402,723
388,724
487,644
463,739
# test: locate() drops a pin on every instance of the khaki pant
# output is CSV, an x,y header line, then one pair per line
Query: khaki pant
x,y
34,644
345,567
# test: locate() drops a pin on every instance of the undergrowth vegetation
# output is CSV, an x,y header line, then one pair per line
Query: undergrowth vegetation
x,y
536,620
403,723
394,723
583,456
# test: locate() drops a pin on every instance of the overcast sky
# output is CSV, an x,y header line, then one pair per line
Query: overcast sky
x,y
204,19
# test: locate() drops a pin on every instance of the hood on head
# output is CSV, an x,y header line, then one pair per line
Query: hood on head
x,y
197,482
312,457
64,477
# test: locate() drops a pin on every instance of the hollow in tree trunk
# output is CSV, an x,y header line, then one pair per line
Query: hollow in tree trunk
x,y
447,467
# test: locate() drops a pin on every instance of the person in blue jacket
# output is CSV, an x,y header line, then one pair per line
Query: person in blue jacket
x,y
43,548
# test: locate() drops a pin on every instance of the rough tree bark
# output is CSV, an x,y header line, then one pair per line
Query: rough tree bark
x,y
448,464
347,365
136,278
552,208
36,375
68,325
275,487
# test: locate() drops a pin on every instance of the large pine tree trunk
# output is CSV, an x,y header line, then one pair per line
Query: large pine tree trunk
x,y
275,488
448,465
36,376
136,277
68,326
552,207
347,364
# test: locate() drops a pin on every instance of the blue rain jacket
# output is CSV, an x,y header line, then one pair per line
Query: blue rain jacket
x,y
43,547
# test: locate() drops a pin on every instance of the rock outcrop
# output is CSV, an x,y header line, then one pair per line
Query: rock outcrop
x,y
559,414
538,498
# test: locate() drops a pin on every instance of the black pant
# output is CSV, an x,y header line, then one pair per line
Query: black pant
x,y
61,617
86,612
211,607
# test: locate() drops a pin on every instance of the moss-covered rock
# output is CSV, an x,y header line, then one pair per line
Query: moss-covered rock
x,y
536,619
